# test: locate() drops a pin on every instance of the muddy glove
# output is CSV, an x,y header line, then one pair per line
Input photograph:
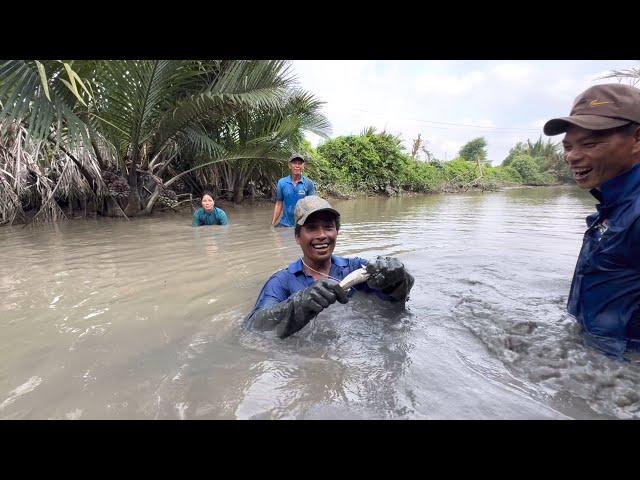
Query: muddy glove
x,y
299,309
389,276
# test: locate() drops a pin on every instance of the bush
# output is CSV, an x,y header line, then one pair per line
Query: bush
x,y
459,172
376,162
368,163
529,170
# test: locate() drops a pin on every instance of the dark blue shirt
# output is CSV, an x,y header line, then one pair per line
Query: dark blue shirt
x,y
605,291
289,194
216,217
292,279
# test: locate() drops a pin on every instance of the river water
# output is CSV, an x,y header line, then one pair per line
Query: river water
x,y
106,319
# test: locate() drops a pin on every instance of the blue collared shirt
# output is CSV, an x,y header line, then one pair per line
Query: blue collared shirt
x,y
289,194
605,290
216,217
292,279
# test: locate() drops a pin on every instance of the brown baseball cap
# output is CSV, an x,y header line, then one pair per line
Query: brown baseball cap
x,y
599,108
312,204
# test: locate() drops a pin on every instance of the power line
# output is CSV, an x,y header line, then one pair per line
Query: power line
x,y
451,123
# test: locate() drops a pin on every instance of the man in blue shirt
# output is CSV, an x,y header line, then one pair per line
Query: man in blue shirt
x,y
209,214
602,148
289,190
295,295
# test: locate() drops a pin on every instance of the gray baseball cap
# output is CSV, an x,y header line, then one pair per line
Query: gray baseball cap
x,y
312,204
296,156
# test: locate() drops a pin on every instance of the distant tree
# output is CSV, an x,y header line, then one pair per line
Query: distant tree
x,y
547,155
474,150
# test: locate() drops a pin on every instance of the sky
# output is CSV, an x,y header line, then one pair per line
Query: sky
x,y
449,102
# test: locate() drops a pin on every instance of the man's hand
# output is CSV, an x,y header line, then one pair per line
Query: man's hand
x,y
320,295
385,272
389,276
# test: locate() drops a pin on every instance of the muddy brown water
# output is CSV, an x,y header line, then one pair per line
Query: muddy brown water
x,y
109,319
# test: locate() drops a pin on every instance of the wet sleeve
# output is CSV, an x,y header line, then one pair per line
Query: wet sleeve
x,y
274,299
279,193
272,293
195,222
222,217
291,315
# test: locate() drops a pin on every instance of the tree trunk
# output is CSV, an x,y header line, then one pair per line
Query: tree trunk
x,y
96,150
154,196
133,204
238,190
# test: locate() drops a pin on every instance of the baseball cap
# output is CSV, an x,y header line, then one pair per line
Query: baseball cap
x,y
599,108
296,156
311,204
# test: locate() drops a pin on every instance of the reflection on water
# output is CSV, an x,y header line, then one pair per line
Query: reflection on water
x,y
142,319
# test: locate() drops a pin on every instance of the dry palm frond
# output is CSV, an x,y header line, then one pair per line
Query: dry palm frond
x,y
38,174
632,74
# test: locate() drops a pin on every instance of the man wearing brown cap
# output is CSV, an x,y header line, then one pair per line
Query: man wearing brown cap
x,y
602,148
292,297
289,190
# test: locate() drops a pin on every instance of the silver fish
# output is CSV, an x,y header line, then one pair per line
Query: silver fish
x,y
357,276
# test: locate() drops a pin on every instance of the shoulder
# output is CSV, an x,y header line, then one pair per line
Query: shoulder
x,y
351,263
358,262
198,212
278,281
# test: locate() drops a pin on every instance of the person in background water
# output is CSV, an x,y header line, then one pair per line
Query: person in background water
x,y
289,190
292,297
602,148
209,214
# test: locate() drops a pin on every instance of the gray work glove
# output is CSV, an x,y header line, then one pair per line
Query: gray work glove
x,y
300,308
389,276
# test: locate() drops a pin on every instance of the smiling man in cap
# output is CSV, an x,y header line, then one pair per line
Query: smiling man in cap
x,y
289,190
295,295
602,148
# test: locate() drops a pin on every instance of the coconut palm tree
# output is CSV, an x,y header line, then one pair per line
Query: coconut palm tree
x,y
146,107
139,116
547,155
272,134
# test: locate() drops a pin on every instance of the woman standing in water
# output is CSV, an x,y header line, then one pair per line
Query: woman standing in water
x,y
209,214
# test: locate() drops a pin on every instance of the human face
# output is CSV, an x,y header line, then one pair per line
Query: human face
x,y
207,203
597,156
296,167
318,237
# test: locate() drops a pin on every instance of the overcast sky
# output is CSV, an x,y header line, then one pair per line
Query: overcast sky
x,y
450,102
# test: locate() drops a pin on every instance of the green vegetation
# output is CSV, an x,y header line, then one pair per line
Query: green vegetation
x,y
373,163
117,137
475,150
122,138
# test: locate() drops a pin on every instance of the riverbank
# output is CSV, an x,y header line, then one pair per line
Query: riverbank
x,y
331,195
